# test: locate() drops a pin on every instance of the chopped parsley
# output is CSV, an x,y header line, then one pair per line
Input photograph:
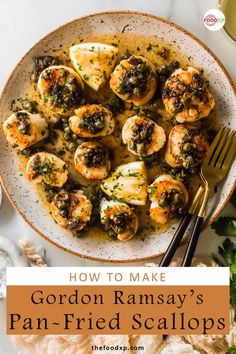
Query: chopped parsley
x,y
85,77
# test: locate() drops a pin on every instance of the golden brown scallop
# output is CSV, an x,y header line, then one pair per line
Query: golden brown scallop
x,y
92,160
186,96
61,89
23,129
119,218
48,168
169,198
91,121
143,136
134,80
71,210
186,147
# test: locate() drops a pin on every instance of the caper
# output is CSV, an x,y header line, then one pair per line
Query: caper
x,y
71,146
62,204
133,80
137,91
144,134
173,120
72,224
165,167
22,128
99,124
34,77
80,141
135,126
136,109
72,87
85,160
78,233
162,202
141,149
141,67
164,70
30,106
128,95
74,136
55,120
176,198
194,170
64,213
150,114
67,129
106,225
82,124
188,161
112,234
67,137
63,72
51,193
188,147
26,151
66,195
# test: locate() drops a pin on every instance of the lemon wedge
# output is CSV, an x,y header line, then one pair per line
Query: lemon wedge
x,y
94,62
128,183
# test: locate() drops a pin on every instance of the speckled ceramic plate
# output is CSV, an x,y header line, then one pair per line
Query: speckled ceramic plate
x,y
23,195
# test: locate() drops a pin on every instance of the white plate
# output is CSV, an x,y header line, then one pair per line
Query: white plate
x,y
24,196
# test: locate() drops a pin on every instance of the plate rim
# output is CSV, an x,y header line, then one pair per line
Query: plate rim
x,y
94,14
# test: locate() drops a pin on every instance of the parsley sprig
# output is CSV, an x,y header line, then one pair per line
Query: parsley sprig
x,y
226,225
227,255
231,350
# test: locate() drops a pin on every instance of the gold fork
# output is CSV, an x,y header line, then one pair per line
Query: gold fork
x,y
214,168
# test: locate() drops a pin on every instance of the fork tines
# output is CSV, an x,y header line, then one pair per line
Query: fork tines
x,y
222,150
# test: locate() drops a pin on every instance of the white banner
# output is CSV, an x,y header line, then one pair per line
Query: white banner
x,y
117,276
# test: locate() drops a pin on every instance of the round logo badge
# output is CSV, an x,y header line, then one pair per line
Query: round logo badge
x,y
214,20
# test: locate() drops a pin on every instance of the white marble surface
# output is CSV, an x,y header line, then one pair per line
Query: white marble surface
x,y
23,22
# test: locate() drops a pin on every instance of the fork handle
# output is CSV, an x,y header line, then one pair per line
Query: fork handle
x,y
187,260
169,254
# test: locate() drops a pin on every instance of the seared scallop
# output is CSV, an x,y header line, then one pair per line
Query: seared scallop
x,y
92,160
186,147
71,210
23,129
134,80
119,219
48,168
169,198
61,89
94,62
186,96
92,121
143,136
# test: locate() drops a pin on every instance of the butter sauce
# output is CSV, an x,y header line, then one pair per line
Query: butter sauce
x,y
159,53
